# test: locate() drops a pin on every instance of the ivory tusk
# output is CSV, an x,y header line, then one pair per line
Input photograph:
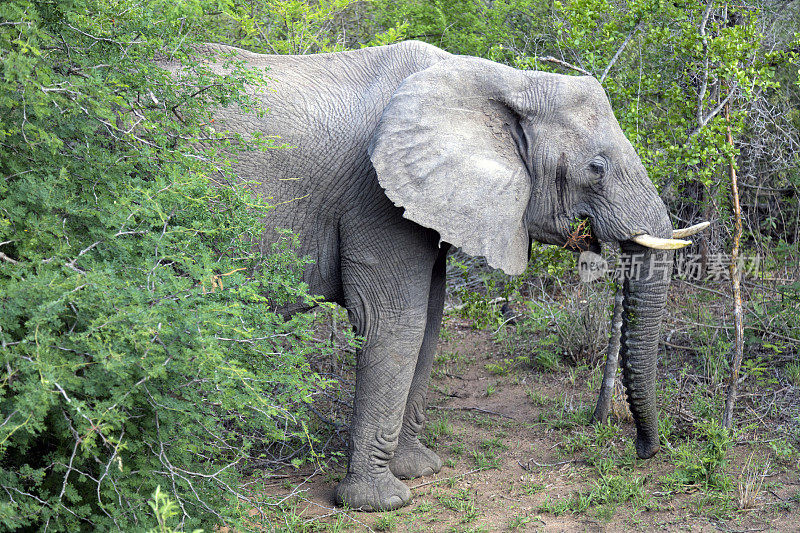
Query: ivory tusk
x,y
658,243
691,230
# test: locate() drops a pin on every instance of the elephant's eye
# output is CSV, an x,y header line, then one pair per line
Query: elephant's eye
x,y
598,167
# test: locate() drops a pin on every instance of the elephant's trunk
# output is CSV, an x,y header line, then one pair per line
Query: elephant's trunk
x,y
644,298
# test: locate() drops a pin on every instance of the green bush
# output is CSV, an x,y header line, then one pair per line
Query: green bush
x,y
703,463
499,30
138,348
165,510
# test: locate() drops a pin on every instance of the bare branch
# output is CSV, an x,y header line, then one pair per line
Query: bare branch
x,y
9,417
559,62
701,94
72,457
103,39
704,121
4,257
619,51
71,264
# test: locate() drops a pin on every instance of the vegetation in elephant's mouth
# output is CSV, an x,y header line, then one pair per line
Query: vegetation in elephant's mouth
x,y
581,237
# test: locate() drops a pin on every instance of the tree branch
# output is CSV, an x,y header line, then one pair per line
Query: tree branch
x,y
619,52
701,94
4,257
738,314
704,121
559,62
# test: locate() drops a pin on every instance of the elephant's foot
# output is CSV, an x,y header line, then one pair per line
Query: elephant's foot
x,y
382,492
647,448
413,459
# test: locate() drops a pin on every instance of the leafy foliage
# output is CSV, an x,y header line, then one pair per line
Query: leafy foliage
x,y
669,68
702,463
164,509
494,30
138,346
283,27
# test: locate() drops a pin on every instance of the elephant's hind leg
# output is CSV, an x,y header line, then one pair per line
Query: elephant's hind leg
x,y
412,458
387,299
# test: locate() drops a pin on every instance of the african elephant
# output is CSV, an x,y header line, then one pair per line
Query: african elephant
x,y
400,152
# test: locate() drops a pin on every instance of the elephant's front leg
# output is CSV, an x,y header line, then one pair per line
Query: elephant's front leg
x,y
412,458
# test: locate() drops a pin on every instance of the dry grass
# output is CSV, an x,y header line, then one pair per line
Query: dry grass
x,y
750,484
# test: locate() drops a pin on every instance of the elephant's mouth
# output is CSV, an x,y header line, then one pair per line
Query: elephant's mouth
x,y
582,237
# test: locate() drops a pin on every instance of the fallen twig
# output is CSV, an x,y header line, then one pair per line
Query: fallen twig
x,y
471,409
432,482
527,467
334,512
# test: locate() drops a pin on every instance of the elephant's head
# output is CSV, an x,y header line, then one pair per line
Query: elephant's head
x,y
492,157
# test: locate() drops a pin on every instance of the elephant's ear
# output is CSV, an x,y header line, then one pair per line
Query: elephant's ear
x,y
444,151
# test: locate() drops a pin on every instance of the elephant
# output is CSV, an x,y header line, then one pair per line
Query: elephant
x,y
398,153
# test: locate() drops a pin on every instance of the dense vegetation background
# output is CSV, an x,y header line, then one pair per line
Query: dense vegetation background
x,y
137,348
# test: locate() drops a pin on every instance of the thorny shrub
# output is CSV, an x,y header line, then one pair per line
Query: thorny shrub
x,y
138,348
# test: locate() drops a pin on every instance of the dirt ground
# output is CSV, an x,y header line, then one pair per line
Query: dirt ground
x,y
520,455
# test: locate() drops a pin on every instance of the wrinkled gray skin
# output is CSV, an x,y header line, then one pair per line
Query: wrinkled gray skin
x,y
400,152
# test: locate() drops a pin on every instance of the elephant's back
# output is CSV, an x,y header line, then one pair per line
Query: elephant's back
x,y
321,111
